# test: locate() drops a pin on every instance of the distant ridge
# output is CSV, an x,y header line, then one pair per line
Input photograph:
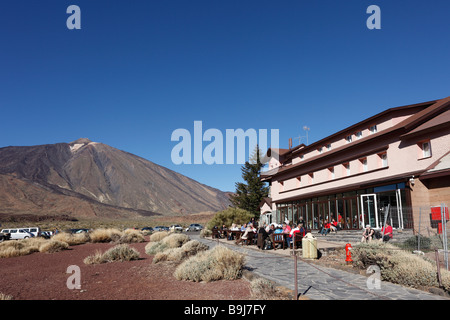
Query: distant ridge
x,y
86,178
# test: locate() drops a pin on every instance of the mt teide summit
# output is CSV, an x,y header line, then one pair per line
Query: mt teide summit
x,y
85,178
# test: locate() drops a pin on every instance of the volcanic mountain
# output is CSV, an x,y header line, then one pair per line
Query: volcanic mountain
x,y
85,178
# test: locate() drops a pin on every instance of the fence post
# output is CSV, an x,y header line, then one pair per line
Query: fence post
x,y
438,267
444,233
294,253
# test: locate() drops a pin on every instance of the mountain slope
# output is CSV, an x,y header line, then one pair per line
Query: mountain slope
x,y
97,172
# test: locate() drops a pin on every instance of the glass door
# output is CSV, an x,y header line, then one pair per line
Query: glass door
x,y
369,210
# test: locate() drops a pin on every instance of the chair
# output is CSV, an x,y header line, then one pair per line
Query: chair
x,y
215,234
278,238
250,238
297,240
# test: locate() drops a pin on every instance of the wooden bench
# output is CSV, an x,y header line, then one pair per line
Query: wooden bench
x,y
297,240
215,234
251,239
278,238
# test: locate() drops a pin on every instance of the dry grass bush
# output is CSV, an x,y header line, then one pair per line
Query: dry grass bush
x,y
167,241
175,240
105,235
51,246
5,296
188,249
153,248
158,236
121,252
216,264
398,266
131,236
72,239
15,248
263,289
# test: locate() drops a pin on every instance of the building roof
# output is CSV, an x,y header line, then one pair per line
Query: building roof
x,y
424,119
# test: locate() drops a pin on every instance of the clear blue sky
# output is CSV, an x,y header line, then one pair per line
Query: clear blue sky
x,y
138,70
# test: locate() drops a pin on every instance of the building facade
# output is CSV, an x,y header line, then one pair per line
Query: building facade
x,y
391,167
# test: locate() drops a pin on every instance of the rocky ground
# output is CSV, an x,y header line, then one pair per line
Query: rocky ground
x,y
43,276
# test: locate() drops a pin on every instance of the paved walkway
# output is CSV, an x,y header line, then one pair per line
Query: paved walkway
x,y
318,282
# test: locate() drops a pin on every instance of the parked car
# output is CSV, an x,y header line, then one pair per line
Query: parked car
x,y
22,233
160,228
46,234
176,228
78,230
194,227
147,229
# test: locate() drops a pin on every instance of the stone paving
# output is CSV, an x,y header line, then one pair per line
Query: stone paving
x,y
318,282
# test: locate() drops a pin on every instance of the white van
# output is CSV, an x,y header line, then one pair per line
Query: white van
x,y
22,233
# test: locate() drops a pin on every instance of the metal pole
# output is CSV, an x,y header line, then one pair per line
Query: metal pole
x,y
438,267
444,234
418,236
296,277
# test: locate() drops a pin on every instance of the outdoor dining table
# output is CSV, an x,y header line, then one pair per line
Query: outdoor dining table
x,y
235,234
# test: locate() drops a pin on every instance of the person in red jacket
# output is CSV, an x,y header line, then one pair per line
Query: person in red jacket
x,y
387,232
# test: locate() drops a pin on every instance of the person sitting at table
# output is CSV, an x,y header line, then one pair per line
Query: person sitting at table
x,y
245,235
262,236
298,229
243,227
286,228
223,231
234,227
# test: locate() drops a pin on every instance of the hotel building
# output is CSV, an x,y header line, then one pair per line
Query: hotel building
x,y
392,166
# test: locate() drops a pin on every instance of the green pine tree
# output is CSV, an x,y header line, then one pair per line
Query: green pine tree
x,y
249,194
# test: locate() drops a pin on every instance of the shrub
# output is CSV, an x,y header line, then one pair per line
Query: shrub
x,y
131,236
105,235
5,296
158,236
121,252
398,266
72,239
229,216
188,249
412,242
153,248
218,263
205,233
263,289
175,240
51,246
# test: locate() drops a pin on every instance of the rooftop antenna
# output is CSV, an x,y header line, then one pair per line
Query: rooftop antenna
x,y
305,128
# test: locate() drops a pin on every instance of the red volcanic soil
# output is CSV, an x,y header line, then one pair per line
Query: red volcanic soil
x,y
43,276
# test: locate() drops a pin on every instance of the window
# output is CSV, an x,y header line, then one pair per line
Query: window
x,y
348,138
320,150
383,160
346,169
373,129
329,147
358,135
364,167
426,149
